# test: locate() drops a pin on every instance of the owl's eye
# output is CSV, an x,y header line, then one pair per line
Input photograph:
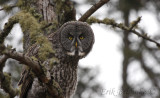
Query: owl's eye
x,y
70,38
81,37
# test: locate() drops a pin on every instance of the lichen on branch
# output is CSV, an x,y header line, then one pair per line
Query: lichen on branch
x,y
33,27
7,8
121,26
53,87
6,85
7,28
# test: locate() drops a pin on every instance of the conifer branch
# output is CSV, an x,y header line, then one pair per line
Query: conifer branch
x,y
112,22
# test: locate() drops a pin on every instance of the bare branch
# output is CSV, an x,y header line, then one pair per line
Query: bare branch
x,y
123,27
94,8
53,87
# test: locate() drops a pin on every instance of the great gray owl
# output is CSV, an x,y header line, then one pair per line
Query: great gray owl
x,y
71,42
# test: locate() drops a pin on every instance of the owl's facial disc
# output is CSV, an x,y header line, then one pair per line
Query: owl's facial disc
x,y
76,38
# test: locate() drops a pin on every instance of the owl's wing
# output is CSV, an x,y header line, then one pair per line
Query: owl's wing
x,y
26,77
25,82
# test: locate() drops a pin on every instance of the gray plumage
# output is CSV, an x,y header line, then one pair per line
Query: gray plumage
x,y
71,42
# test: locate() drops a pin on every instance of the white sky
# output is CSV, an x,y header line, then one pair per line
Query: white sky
x,y
106,56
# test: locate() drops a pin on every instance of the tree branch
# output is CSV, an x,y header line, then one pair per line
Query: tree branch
x,y
134,23
2,62
7,28
5,79
150,73
8,8
94,8
53,87
123,27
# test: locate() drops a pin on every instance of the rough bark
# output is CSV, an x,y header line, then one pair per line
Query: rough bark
x,y
47,10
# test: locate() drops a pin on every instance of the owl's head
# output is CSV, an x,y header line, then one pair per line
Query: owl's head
x,y
76,38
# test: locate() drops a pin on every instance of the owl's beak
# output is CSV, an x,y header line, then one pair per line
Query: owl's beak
x,y
76,44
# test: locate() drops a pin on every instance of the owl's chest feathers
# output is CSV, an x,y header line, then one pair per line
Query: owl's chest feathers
x,y
65,73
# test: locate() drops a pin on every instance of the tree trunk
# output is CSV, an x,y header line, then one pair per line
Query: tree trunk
x,y
126,49
50,14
